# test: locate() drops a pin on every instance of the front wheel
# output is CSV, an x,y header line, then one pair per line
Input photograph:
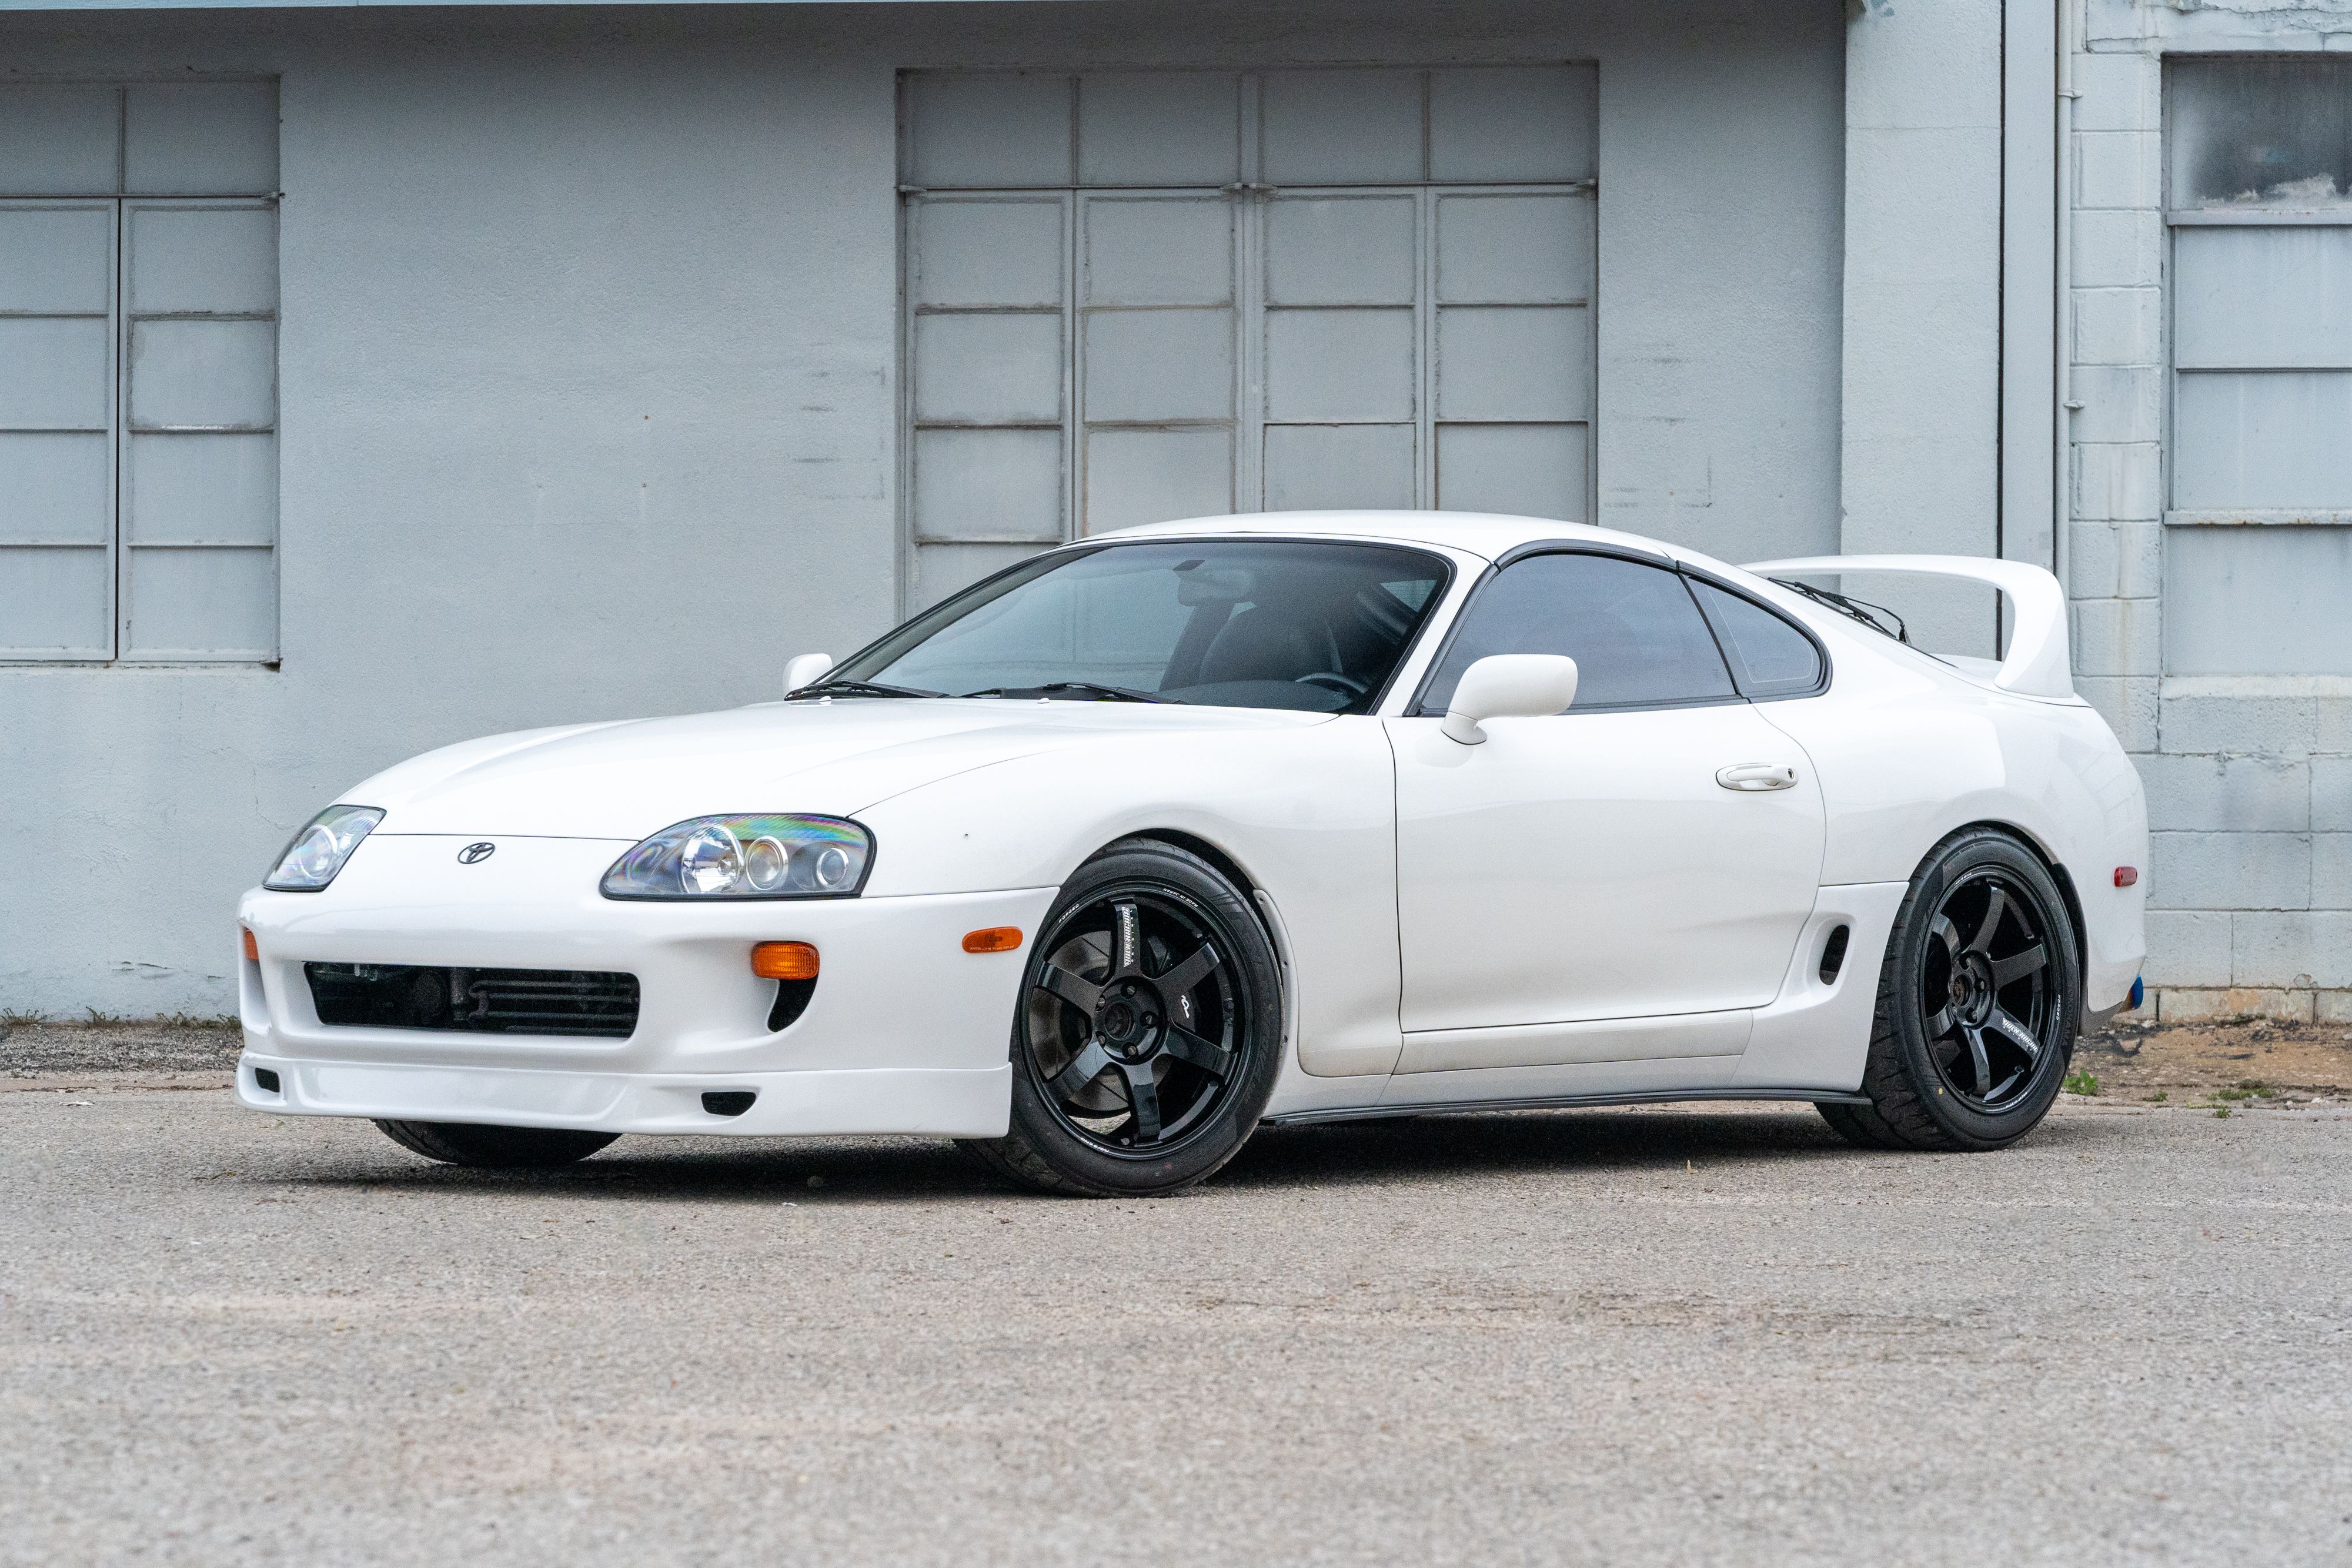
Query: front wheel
x,y
1979,1002
1148,1035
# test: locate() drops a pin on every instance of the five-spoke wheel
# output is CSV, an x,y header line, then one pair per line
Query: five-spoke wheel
x,y
1144,1047
1132,1018
1985,1002
1978,1001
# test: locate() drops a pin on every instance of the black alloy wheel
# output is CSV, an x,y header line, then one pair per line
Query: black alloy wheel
x,y
1980,999
1132,1018
1144,1045
1984,996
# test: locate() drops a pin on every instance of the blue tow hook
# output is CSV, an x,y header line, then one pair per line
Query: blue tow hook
x,y
2139,993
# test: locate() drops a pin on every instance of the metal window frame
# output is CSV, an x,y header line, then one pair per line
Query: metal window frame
x,y
129,318
1249,305
2175,219
119,315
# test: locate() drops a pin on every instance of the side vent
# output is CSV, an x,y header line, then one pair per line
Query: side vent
x,y
1833,955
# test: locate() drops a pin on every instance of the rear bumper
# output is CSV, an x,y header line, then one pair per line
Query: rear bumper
x,y
957,1102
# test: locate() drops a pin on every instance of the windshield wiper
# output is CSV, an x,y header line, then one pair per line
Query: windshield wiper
x,y
1090,688
858,689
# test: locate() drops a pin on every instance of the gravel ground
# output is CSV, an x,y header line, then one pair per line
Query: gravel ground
x,y
1673,1335
30,1049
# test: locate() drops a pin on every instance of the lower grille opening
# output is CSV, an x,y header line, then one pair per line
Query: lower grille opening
x,y
792,1000
1833,955
477,1001
729,1101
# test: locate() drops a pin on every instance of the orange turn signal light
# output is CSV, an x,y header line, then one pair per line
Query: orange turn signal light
x,y
252,951
784,961
996,939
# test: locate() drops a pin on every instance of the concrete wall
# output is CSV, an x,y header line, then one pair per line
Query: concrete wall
x,y
1921,458
2249,779
588,366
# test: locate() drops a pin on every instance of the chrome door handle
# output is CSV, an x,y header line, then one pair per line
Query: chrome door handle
x,y
1754,776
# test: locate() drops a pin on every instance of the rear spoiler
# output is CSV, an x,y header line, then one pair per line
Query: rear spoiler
x,y
2037,665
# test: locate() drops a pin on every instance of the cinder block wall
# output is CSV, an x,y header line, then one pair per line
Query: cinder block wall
x,y
2249,780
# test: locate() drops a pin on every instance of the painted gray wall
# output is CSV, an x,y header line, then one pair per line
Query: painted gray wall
x,y
2249,774
588,367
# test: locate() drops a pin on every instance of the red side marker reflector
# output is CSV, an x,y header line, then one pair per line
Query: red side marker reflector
x,y
251,951
2125,876
996,939
784,961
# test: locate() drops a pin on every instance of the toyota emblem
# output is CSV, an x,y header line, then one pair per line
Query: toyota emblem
x,y
475,854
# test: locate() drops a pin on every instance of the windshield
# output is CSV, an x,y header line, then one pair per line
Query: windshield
x,y
1266,624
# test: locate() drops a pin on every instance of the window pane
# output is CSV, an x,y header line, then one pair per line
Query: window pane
x,y
2261,133
1636,637
2262,601
200,139
1773,658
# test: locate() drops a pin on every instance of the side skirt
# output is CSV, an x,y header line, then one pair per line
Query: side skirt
x,y
1563,1102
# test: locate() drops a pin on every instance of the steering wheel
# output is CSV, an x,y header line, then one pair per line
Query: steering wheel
x,y
1346,685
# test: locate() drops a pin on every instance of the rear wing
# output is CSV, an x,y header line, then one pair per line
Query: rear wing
x,y
2038,664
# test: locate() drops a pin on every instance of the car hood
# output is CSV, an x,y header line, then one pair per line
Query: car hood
x,y
628,779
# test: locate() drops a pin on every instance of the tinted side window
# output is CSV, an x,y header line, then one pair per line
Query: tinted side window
x,y
1636,637
1774,658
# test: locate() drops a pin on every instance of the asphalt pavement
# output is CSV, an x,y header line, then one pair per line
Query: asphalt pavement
x,y
1669,1335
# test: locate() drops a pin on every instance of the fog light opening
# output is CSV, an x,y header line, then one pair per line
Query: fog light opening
x,y
729,1101
266,1080
792,1000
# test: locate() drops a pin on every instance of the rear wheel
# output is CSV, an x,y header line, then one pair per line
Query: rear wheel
x,y
1146,1042
1979,1002
513,1148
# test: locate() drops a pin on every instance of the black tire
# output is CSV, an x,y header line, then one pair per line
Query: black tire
x,y
1857,1124
1980,999
509,1148
1145,1044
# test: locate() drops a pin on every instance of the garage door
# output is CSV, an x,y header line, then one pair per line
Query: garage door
x,y
1131,296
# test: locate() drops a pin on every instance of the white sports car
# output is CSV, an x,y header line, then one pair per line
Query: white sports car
x,y
1291,817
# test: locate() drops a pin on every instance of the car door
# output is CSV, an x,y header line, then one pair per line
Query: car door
x,y
1654,851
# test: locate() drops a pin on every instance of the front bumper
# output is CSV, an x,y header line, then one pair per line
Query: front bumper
x,y
941,1102
906,1032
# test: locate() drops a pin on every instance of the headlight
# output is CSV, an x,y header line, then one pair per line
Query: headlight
x,y
320,849
746,857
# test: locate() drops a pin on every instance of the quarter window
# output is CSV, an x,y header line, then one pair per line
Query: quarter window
x,y
1770,657
1637,639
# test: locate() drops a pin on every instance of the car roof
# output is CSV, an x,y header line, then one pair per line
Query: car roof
x,y
1488,534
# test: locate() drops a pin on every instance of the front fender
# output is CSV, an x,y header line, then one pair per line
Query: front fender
x,y
1309,812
